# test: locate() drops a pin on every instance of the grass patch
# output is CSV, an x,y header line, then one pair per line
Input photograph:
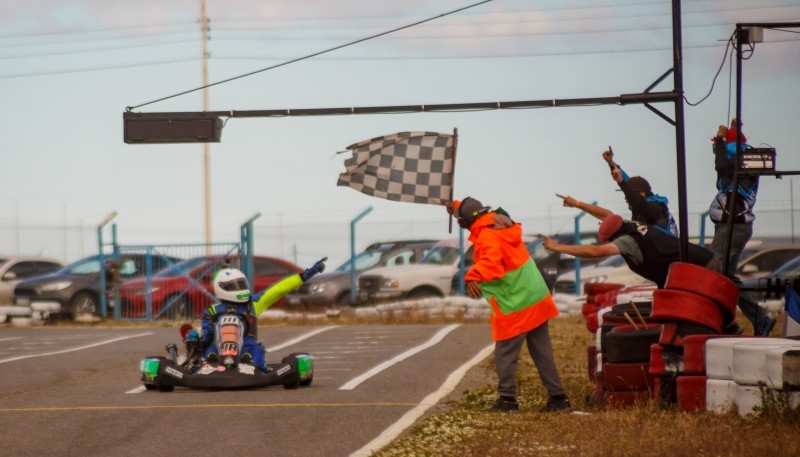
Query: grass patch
x,y
467,429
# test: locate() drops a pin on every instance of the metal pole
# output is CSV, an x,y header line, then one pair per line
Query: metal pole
x,y
102,259
577,260
206,153
680,134
246,248
353,253
461,285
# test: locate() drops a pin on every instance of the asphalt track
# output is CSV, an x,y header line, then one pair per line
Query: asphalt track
x,y
75,391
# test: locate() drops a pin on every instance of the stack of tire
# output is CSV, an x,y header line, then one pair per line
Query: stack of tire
x,y
744,373
622,376
598,296
694,301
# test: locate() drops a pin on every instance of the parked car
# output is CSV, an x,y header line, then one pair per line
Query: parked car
x,y
432,277
334,288
75,289
553,264
765,261
15,268
611,270
185,289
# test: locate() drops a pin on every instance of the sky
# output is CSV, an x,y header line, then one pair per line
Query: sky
x,y
69,69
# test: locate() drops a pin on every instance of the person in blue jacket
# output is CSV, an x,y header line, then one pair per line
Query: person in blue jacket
x,y
233,292
646,207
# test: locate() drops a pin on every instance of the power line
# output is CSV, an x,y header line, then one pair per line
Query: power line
x,y
129,108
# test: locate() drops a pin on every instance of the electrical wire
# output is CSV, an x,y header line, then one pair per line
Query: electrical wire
x,y
129,108
714,80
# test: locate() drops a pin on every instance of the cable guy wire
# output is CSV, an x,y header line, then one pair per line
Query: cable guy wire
x,y
129,108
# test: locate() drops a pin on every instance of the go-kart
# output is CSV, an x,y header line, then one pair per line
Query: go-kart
x,y
229,371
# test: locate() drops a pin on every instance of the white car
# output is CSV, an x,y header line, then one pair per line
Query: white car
x,y
612,270
432,277
15,268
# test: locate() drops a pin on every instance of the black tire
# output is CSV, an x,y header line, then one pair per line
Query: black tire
x,y
165,388
344,299
630,346
84,303
424,292
181,306
150,386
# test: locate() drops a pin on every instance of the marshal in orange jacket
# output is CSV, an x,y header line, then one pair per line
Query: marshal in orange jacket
x,y
508,277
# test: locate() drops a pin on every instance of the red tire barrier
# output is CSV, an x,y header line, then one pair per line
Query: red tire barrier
x,y
598,287
614,400
591,355
623,377
591,323
691,393
707,283
678,305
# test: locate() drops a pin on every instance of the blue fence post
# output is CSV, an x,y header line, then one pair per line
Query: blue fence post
x,y
101,257
247,245
703,228
353,253
577,259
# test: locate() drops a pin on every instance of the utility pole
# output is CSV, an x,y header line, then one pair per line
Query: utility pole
x,y
206,154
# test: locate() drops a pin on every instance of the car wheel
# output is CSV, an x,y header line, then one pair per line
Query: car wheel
x,y
424,292
84,303
180,306
344,299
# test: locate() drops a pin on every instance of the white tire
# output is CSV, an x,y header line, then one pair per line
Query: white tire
x,y
720,395
783,368
750,362
719,353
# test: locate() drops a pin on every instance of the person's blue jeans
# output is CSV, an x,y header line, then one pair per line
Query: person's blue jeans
x,y
741,235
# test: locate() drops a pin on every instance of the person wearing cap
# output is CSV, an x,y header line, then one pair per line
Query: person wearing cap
x,y
504,274
646,207
647,251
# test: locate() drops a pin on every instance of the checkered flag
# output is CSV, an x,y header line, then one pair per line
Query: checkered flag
x,y
415,167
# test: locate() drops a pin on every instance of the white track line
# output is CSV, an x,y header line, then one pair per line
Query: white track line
x,y
439,336
10,338
79,348
140,389
408,419
301,338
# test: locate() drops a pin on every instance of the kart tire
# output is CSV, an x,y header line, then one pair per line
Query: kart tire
x,y
676,305
165,388
704,282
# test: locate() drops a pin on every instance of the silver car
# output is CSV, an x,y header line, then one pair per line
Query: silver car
x,y
334,288
15,268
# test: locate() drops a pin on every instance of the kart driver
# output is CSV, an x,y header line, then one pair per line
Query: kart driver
x,y
233,292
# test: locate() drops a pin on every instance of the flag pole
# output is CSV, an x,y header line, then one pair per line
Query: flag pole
x,y
453,178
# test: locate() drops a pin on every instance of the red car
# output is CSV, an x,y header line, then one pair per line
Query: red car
x,y
184,289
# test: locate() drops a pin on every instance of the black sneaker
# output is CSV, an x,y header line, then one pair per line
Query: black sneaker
x,y
557,404
247,358
505,405
212,358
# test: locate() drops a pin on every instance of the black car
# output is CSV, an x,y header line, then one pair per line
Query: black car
x,y
75,289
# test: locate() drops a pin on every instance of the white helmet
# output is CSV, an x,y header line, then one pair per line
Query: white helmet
x,y
231,285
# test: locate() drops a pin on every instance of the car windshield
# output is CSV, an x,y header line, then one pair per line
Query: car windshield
x,y
364,260
184,267
441,255
790,269
84,266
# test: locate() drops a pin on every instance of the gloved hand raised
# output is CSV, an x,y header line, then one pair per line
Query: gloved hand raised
x,y
318,267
